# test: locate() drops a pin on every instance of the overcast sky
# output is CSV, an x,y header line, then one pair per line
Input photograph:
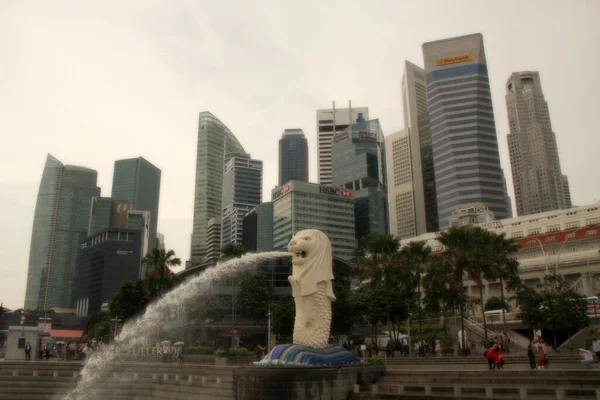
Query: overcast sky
x,y
92,84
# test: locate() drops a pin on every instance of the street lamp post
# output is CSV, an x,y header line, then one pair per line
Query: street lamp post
x,y
546,258
269,331
567,237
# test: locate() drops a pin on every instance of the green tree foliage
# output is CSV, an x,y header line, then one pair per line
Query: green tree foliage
x,y
130,301
232,250
504,267
561,307
98,325
160,279
496,303
388,286
416,256
459,253
254,296
342,312
283,314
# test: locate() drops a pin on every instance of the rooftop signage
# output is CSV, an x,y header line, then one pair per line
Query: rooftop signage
x,y
367,135
454,60
313,188
333,191
341,137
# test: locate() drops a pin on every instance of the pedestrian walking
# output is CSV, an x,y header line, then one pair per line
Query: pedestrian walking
x,y
28,352
531,356
541,357
181,354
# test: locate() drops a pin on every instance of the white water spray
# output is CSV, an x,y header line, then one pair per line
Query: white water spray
x,y
138,331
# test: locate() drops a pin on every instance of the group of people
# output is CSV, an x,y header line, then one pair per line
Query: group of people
x,y
495,357
168,354
540,349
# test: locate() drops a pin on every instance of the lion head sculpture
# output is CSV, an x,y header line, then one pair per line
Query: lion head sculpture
x,y
312,261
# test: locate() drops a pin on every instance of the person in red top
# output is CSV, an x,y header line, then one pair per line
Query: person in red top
x,y
499,359
491,356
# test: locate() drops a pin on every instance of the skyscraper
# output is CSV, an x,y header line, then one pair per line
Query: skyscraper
x,y
537,178
416,122
214,141
60,224
137,181
293,156
358,159
329,123
401,194
463,131
242,191
213,239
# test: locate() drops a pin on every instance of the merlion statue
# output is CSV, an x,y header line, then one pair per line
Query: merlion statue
x,y
312,273
311,278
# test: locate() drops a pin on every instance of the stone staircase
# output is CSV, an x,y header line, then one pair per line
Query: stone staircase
x,y
52,380
562,360
476,384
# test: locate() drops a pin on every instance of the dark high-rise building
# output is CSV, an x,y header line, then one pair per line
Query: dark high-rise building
x,y
293,156
258,228
137,181
106,259
214,141
359,164
242,191
60,224
463,130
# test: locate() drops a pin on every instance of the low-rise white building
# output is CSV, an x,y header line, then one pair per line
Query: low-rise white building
x,y
567,241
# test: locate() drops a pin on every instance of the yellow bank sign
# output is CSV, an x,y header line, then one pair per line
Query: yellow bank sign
x,y
454,60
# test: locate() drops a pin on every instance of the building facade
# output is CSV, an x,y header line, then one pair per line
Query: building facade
x,y
401,194
60,223
242,191
293,156
329,123
359,164
463,130
537,178
137,181
565,241
258,228
301,205
106,259
414,101
213,239
214,141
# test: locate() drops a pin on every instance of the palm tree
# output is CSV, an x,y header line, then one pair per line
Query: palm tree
x,y
417,255
504,267
459,252
381,268
160,278
480,265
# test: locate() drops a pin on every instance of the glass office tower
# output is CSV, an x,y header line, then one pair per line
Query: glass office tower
x,y
359,163
214,141
293,156
463,130
60,224
137,181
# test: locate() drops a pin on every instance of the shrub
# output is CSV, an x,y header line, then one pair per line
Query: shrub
x,y
205,350
373,361
238,351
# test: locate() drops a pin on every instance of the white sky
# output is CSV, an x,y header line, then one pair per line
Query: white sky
x,y
127,78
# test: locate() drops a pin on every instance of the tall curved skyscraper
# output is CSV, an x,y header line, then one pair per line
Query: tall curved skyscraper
x,y
60,224
214,141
